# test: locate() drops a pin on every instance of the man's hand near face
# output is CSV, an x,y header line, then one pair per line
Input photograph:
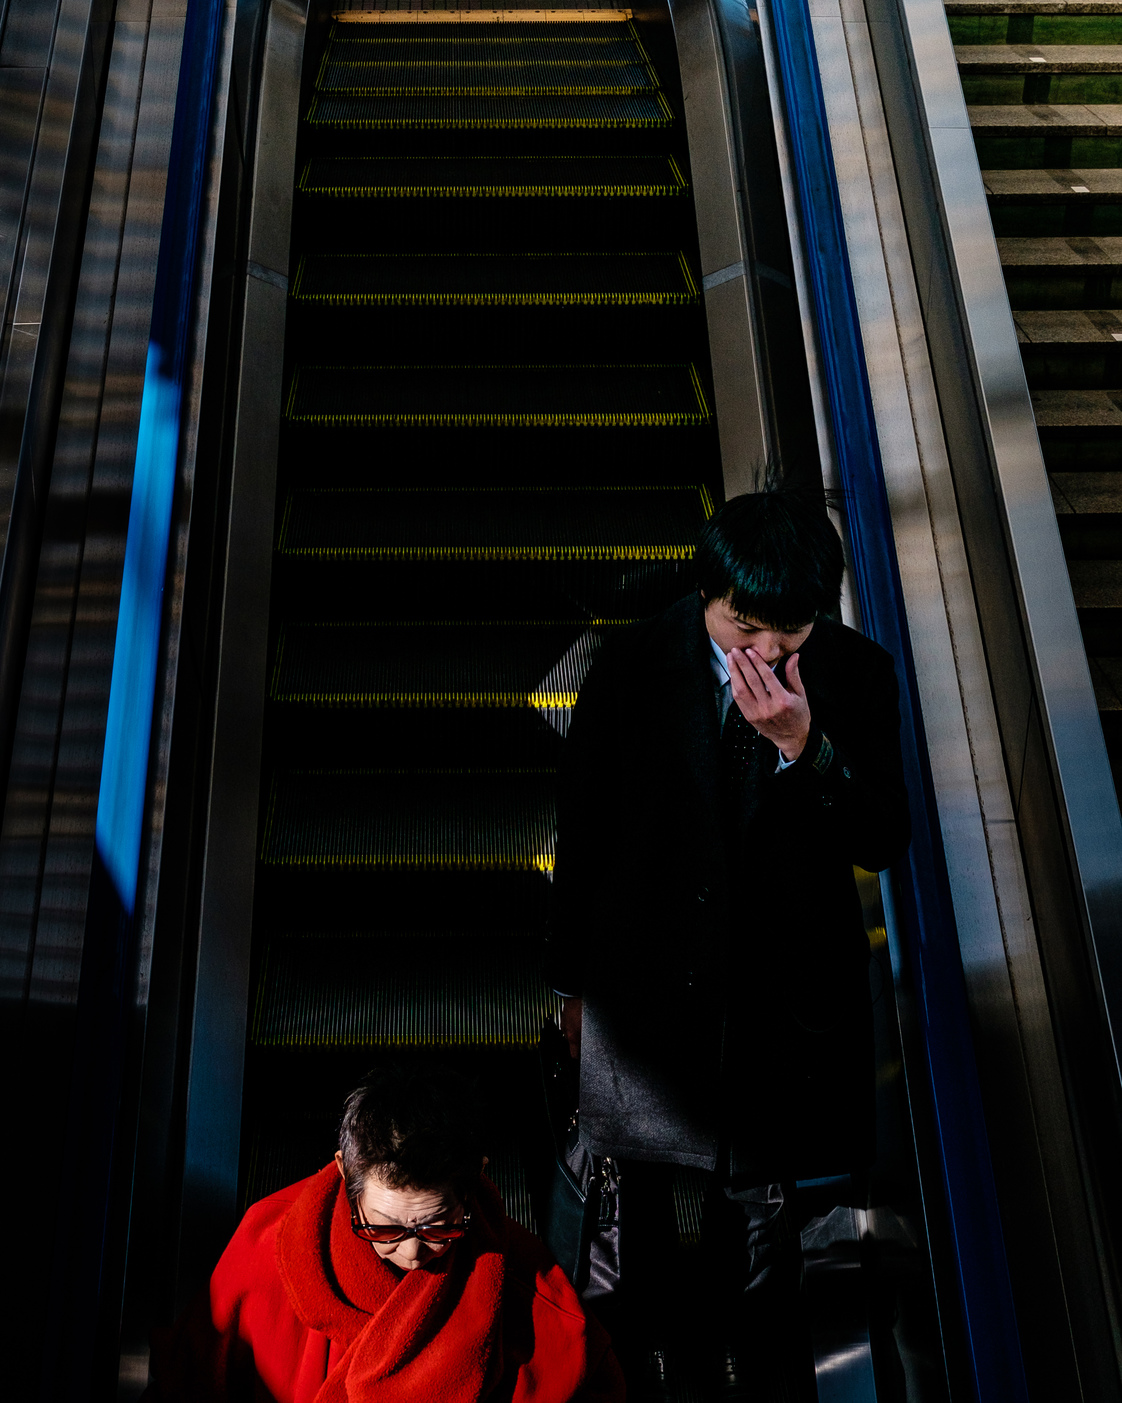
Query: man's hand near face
x,y
782,716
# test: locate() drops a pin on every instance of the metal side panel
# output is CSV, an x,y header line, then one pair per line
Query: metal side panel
x,y
1018,1059
1065,972
225,920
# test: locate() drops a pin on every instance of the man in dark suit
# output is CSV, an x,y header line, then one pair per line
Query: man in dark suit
x,y
728,764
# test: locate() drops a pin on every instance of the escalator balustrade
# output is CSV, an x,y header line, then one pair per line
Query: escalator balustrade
x,y
1043,85
497,446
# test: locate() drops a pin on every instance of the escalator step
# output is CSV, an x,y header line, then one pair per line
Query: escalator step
x,y
332,990
495,113
510,77
465,396
438,26
481,821
467,46
538,665
658,523
493,177
534,280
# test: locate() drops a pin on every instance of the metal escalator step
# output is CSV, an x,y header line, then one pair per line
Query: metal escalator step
x,y
544,524
1053,186
469,45
631,111
496,280
492,177
510,77
466,396
434,25
481,821
401,990
489,665
1045,58
1068,120
1082,410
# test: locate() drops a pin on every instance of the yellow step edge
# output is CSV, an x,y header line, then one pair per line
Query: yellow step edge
x,y
478,16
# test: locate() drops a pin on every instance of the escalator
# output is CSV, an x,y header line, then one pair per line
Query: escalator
x,y
1044,91
498,444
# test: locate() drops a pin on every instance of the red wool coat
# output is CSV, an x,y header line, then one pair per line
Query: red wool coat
x,y
299,1310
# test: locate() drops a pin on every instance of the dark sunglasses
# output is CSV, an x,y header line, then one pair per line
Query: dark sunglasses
x,y
435,1234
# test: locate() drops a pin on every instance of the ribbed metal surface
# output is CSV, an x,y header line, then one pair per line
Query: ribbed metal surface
x,y
497,280
524,77
476,820
469,396
405,991
657,523
282,1154
556,46
508,1174
481,113
540,665
689,1190
492,177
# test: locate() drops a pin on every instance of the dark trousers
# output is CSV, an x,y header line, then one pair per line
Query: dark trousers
x,y
746,1252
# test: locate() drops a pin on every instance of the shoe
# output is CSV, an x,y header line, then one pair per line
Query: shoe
x,y
655,1383
729,1377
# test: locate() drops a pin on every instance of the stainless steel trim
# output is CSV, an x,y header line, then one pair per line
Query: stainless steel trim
x,y
225,924
743,416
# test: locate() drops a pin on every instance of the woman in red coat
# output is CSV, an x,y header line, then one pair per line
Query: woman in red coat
x,y
391,1276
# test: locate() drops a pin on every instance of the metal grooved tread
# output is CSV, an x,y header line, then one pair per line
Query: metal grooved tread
x,y
510,113
469,48
537,665
492,177
506,78
482,821
463,396
535,279
658,523
462,30
332,990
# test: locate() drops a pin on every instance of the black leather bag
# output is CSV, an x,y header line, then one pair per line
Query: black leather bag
x,y
580,1218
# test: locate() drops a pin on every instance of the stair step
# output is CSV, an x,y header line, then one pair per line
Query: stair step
x,y
1046,254
631,111
1077,409
1033,7
1069,330
402,990
546,524
478,821
1048,187
997,22
1106,674
510,77
1098,494
466,45
1062,120
535,665
466,396
1044,58
493,177
496,280
1097,584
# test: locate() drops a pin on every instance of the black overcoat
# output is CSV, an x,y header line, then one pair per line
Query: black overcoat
x,y
721,951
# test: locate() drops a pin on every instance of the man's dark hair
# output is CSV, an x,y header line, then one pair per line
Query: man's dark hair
x,y
775,556
414,1127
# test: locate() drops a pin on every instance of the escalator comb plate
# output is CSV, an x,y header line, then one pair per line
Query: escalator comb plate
x,y
641,110
496,280
654,523
343,990
492,665
497,396
493,177
478,821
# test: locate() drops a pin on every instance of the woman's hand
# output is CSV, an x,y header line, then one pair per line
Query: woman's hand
x,y
779,714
